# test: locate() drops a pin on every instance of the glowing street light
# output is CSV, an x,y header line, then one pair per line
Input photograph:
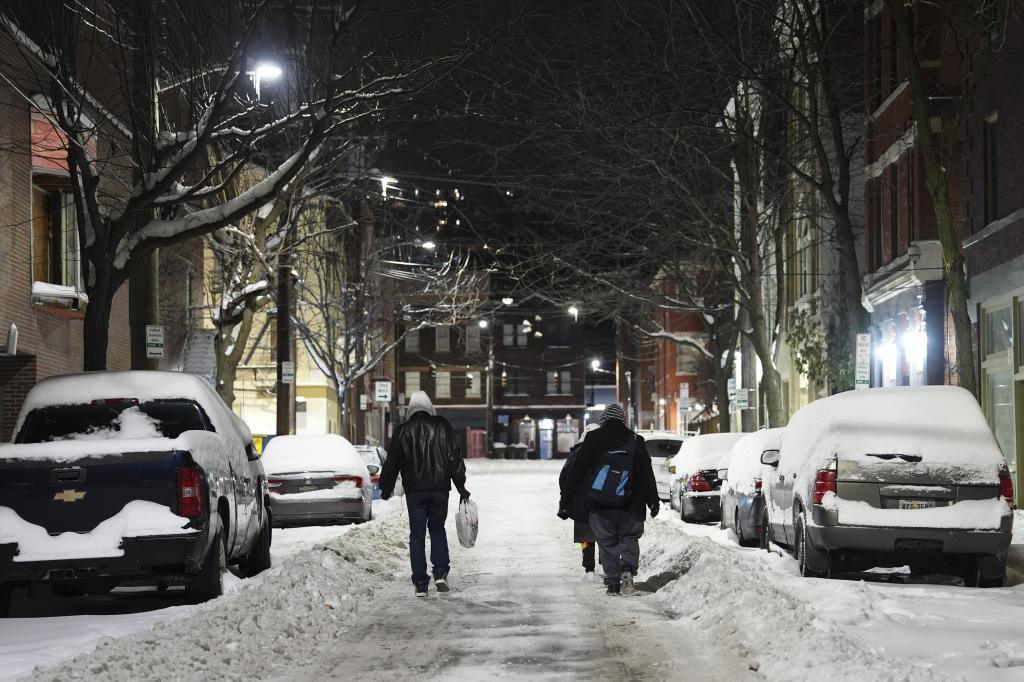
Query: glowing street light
x,y
429,245
508,300
482,324
575,312
264,71
595,364
386,182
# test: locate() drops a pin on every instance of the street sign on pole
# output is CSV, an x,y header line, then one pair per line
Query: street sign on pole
x,y
382,391
287,372
743,399
731,387
862,376
154,341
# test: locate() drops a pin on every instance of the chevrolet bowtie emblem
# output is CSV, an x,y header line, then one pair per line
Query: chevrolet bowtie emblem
x,y
68,496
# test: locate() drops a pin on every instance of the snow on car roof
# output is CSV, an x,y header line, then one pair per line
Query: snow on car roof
x,y
143,385
302,453
704,451
745,462
944,425
660,435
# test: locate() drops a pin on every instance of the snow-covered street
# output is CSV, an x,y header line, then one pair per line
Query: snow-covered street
x,y
338,604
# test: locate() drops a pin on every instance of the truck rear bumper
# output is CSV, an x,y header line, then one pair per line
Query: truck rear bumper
x,y
143,557
705,508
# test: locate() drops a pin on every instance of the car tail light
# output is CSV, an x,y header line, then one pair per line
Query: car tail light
x,y
274,485
824,482
699,484
190,492
757,485
375,480
1006,486
355,479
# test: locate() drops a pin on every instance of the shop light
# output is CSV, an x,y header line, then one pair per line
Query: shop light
x,y
915,345
890,355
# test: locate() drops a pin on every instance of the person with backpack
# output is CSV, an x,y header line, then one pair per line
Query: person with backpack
x,y
581,532
612,479
423,450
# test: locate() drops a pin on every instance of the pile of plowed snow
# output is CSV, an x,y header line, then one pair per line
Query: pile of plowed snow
x,y
265,625
736,600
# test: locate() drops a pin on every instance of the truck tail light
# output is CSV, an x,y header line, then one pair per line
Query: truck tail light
x,y
274,485
1006,486
190,492
358,480
824,482
757,485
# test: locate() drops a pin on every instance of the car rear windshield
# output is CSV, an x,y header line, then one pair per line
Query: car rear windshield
x,y
662,448
169,418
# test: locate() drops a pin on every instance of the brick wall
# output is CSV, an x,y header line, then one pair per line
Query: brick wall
x,y
17,376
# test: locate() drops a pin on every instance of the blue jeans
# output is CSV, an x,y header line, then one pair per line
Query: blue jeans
x,y
427,510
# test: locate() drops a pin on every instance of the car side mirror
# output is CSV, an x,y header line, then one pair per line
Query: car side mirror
x,y
770,457
373,469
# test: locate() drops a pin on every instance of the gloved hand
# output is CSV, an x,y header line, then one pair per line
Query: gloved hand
x,y
563,513
655,508
464,494
385,495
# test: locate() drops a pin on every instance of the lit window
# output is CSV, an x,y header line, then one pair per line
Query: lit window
x,y
472,338
412,383
444,385
412,341
54,238
441,337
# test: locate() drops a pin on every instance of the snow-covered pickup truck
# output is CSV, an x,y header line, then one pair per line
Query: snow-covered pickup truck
x,y
129,477
892,477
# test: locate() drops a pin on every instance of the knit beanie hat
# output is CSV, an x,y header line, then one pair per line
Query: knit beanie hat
x,y
613,413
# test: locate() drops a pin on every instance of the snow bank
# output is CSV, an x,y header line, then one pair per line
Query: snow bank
x,y
266,626
703,452
964,515
137,519
745,464
736,600
301,454
943,425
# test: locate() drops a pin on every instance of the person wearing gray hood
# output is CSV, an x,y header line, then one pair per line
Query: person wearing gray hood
x,y
423,450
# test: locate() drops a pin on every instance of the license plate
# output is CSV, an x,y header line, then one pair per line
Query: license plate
x,y
917,504
307,488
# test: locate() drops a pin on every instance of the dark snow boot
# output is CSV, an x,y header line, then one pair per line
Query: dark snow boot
x,y
441,584
421,590
614,590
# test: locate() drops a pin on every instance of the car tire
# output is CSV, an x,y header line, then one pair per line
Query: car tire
x,y
6,597
764,539
208,583
687,518
813,562
740,537
258,559
986,571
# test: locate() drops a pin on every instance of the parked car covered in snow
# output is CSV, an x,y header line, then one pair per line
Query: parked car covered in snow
x,y
695,486
662,446
374,456
742,499
315,479
129,476
893,477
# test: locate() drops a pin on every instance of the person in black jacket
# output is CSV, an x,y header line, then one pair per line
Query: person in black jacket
x,y
581,532
424,452
618,529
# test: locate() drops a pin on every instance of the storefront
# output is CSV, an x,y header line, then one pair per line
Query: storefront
x,y
1002,371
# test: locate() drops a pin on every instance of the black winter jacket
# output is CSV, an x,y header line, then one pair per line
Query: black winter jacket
x,y
579,471
424,451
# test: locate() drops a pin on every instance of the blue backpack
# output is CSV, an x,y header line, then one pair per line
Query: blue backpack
x,y
613,478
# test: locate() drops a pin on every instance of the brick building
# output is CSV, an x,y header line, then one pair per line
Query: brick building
x,y
904,290
40,272
994,241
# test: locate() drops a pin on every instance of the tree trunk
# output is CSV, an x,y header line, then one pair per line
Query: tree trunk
x,y
937,181
853,313
96,330
229,353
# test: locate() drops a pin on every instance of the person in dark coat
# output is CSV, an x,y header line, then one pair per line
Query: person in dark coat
x,y
581,532
618,529
424,451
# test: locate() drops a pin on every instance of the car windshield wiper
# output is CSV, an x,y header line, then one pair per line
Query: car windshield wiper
x,y
889,456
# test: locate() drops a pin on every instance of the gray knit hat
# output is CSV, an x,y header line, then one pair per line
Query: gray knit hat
x,y
613,413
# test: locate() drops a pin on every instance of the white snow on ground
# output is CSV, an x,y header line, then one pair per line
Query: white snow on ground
x,y
338,604
138,518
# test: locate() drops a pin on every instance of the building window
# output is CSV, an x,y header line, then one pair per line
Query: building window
x,y
472,338
412,341
516,382
473,384
1001,411
441,339
875,223
558,333
998,330
412,383
894,56
990,174
514,335
559,382
54,238
443,385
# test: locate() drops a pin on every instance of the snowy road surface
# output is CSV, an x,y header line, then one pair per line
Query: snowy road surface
x,y
338,604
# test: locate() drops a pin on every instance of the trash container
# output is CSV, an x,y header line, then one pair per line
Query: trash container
x,y
517,451
497,451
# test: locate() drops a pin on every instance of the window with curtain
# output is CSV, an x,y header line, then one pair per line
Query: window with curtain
x,y
412,383
443,384
472,338
441,339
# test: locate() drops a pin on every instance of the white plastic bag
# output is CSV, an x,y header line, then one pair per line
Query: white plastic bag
x,y
467,523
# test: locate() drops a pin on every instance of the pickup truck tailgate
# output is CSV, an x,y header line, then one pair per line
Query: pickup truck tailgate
x,y
77,495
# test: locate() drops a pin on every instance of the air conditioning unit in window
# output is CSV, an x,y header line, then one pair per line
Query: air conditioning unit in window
x,y
58,300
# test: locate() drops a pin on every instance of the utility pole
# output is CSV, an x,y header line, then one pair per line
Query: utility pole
x,y
144,278
285,397
489,410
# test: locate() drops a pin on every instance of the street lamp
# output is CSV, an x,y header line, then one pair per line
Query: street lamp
x,y
575,312
428,245
595,364
264,71
508,300
386,182
482,324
